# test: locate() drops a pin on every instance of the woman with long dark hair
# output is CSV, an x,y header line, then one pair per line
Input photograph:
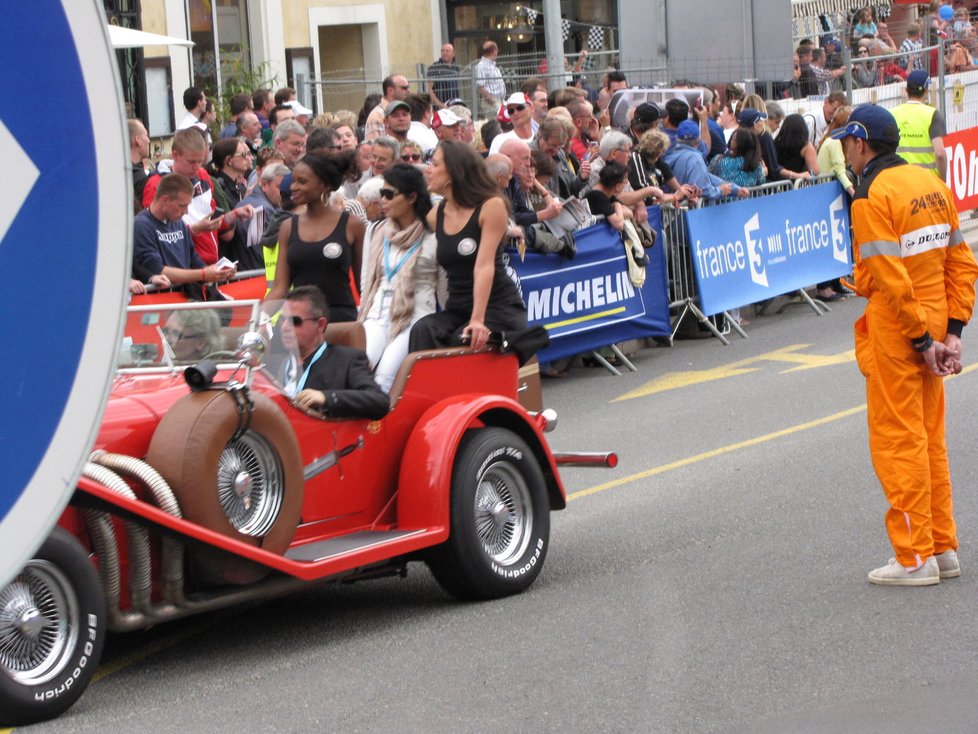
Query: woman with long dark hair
x,y
400,273
795,151
322,244
741,164
469,225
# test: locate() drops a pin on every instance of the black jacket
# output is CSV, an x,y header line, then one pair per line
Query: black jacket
x,y
343,373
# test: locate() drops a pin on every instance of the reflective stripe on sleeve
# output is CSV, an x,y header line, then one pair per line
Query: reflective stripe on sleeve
x,y
879,247
956,238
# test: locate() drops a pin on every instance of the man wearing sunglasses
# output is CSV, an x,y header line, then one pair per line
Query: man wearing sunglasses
x,y
331,379
520,111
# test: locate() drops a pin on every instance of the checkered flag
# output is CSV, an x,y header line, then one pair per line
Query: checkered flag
x,y
595,38
565,28
531,15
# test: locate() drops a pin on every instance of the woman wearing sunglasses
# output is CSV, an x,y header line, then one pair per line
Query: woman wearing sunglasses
x,y
320,246
411,153
400,274
469,225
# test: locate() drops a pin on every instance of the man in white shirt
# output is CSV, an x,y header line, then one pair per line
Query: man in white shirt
x,y
489,80
520,112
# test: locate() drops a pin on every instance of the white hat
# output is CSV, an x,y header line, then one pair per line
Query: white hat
x,y
517,98
444,117
298,108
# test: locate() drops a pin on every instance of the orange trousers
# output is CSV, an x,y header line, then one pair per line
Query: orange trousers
x,y
905,411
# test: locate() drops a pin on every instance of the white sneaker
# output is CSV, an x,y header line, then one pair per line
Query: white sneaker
x,y
893,574
948,564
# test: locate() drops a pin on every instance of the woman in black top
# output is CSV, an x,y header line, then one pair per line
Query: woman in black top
x,y
796,153
469,225
320,246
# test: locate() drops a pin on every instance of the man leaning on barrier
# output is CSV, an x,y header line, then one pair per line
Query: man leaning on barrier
x,y
689,166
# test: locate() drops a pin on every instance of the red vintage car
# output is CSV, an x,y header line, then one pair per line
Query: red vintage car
x,y
208,488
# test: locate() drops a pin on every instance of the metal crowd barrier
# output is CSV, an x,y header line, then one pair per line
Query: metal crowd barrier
x,y
683,293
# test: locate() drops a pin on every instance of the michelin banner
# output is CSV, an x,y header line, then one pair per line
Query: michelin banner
x,y
754,249
590,302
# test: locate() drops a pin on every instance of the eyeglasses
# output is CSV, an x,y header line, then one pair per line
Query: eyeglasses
x,y
516,108
299,320
411,157
175,335
389,194
246,154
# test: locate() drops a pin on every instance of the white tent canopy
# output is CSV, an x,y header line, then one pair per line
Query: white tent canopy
x,y
129,38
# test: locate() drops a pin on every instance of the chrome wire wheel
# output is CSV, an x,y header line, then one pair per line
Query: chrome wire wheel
x,y
503,513
250,484
39,623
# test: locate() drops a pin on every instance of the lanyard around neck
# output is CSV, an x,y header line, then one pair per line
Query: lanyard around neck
x,y
305,372
388,270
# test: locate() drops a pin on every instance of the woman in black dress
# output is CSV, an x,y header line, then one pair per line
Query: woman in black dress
x,y
469,225
321,245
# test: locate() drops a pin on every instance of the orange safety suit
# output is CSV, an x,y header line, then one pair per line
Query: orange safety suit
x,y
919,275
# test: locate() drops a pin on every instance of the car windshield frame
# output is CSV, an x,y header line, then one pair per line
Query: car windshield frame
x,y
146,350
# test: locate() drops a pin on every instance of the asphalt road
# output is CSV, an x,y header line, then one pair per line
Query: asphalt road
x,y
714,582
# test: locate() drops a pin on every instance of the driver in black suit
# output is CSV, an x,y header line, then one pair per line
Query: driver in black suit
x,y
334,380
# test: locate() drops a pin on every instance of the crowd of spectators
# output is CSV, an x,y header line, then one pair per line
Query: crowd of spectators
x,y
337,200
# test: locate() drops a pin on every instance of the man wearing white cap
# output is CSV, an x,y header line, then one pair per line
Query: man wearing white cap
x,y
301,112
521,113
921,127
446,125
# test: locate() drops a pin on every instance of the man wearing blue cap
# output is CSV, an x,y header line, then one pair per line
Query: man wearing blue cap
x,y
689,165
921,127
918,274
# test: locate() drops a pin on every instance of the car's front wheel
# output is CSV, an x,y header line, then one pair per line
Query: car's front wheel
x,y
52,629
500,518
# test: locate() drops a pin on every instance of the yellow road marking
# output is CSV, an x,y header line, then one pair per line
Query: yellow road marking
x,y
717,452
589,317
734,446
790,354
107,669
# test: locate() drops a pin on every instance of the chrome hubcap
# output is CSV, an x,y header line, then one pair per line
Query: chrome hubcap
x,y
503,513
39,623
250,484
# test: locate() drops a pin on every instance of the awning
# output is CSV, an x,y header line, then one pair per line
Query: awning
x,y
130,38
808,8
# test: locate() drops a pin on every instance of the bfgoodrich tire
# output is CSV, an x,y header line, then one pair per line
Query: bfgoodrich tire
x,y
500,518
52,629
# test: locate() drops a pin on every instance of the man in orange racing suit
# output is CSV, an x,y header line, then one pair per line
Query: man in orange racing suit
x,y
919,276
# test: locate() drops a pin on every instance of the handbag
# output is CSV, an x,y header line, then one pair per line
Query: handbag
x,y
634,254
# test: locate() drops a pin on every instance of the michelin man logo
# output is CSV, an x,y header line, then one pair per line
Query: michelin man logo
x,y
755,251
840,246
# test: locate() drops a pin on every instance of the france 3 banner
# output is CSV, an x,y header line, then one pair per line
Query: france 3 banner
x,y
750,250
590,302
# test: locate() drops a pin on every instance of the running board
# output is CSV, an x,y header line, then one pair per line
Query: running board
x,y
324,550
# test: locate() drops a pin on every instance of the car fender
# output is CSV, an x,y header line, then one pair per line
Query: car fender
x,y
425,477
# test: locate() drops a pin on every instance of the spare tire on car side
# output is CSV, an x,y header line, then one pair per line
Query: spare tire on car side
x,y
245,485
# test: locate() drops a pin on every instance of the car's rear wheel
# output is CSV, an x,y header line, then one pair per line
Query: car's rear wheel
x,y
246,485
52,628
500,519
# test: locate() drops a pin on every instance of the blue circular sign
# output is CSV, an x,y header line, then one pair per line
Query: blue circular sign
x,y
64,242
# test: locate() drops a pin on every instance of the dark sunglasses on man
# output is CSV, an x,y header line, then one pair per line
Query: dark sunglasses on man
x,y
515,108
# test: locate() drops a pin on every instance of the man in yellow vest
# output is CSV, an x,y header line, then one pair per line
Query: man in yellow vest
x,y
921,127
